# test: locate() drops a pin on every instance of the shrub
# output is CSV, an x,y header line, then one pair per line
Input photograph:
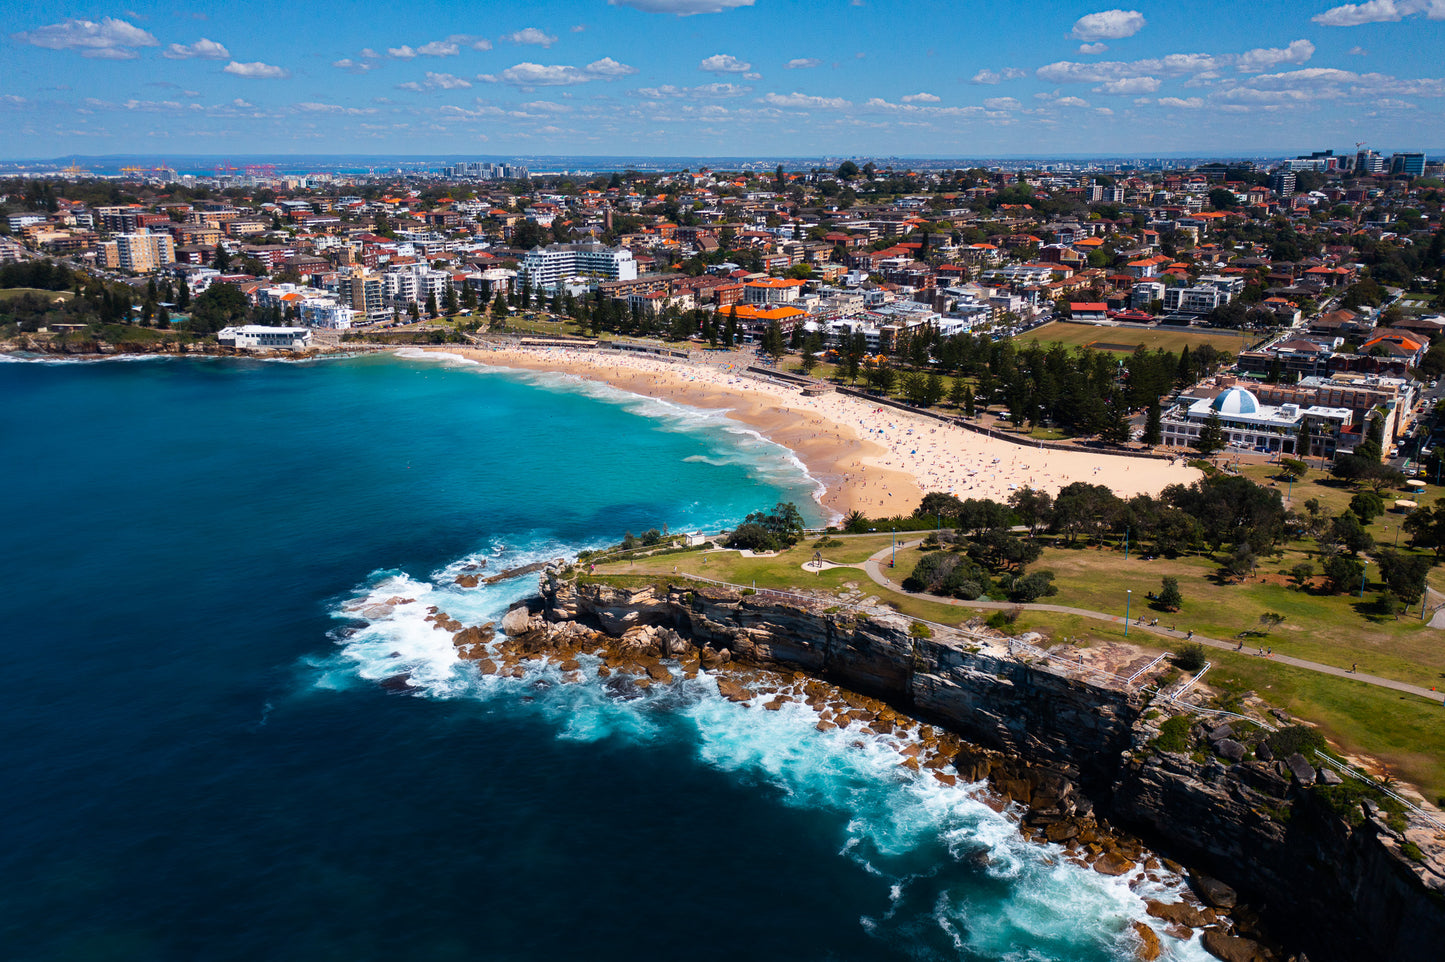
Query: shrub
x,y
1190,656
1170,597
919,630
651,536
1173,735
1296,739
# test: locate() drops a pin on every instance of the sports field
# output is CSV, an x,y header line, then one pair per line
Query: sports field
x,y
1123,340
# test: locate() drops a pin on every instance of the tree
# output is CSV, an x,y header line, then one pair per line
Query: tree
x,y
1347,532
1170,597
1153,430
1034,508
847,170
1269,621
222,305
499,309
1367,506
1292,469
1301,574
1211,437
222,260
1404,574
431,304
183,294
1344,573
449,300
957,390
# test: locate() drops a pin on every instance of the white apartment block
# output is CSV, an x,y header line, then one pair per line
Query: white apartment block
x,y
143,252
547,267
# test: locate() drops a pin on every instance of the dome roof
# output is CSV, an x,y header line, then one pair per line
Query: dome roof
x,y
1236,401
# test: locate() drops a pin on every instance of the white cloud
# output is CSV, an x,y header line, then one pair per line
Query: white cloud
x,y
920,98
1002,103
724,63
108,39
1071,102
1174,65
547,107
439,48
701,92
531,35
682,8
608,69
796,99
1092,48
312,107
560,75
446,81
355,66
256,70
1108,25
1374,11
1265,57
401,53
804,63
410,85
1192,103
1357,52
991,77
203,49
1131,85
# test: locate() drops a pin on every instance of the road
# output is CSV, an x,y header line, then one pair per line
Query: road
x,y
875,568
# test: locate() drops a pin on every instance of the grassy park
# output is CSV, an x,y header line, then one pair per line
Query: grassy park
x,y
1124,340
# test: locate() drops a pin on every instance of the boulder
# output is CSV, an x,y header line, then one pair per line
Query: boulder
x,y
1303,771
1149,947
1062,831
1328,776
1231,948
468,581
972,764
1177,913
1230,749
733,691
516,622
1113,863
1263,752
1213,891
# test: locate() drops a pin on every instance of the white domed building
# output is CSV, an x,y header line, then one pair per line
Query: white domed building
x,y
1251,426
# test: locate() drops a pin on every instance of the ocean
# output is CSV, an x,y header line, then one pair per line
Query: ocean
x,y
213,568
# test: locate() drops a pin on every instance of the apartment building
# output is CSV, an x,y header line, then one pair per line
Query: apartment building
x,y
547,267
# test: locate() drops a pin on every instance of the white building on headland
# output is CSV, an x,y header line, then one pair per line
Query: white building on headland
x,y
266,338
547,267
1249,425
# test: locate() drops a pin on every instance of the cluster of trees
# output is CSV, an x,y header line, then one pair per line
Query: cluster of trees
x,y
772,530
984,556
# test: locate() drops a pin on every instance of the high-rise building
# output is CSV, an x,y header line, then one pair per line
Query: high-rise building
x,y
1369,162
143,252
1409,164
361,291
1282,182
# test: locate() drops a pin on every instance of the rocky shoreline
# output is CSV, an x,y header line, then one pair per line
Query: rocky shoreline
x,y
1079,763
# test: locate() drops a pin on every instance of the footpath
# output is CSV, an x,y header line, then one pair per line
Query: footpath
x,y
875,568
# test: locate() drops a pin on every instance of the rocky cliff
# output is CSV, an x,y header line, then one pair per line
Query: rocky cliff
x,y
1340,875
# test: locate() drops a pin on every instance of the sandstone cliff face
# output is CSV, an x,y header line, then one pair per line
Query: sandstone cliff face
x,y
1342,892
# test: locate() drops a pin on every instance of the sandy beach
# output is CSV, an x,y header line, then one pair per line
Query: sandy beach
x,y
870,458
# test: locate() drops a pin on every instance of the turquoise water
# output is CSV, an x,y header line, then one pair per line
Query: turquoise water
x,y
201,763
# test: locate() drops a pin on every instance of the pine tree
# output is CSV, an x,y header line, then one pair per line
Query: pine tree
x,y
183,294
1302,442
1211,437
1153,432
1184,373
957,391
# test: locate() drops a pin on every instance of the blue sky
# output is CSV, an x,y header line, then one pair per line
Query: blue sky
x,y
721,77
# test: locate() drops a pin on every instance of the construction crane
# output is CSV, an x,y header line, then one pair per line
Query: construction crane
x,y
74,170
133,171
224,170
260,170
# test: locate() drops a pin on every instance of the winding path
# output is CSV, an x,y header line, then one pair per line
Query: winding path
x,y
874,568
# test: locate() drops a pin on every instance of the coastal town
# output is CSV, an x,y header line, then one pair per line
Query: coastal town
x,y
1316,277
859,481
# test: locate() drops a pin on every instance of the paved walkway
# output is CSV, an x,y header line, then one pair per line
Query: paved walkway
x,y
876,567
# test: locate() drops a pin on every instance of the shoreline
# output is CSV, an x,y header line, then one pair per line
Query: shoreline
x,y
869,458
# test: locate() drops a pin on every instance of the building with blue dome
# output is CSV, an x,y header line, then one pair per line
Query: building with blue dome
x,y
1249,425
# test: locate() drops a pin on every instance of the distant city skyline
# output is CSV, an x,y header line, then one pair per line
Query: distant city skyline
x,y
725,78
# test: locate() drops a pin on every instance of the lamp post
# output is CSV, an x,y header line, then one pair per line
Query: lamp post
x,y
1362,578
892,562
1126,542
1128,601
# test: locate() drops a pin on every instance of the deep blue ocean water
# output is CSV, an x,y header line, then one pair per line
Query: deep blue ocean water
x,y
199,761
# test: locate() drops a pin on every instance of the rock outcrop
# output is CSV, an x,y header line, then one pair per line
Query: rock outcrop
x,y
1353,886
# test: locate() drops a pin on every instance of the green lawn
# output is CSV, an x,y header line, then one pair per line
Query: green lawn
x,y
10,293
1125,339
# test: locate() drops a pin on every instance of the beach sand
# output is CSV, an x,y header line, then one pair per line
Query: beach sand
x,y
874,459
